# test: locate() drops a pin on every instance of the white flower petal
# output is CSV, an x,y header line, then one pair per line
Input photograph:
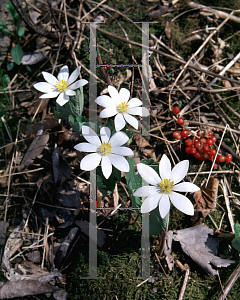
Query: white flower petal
x,y
125,151
108,112
179,171
70,92
106,166
124,95
131,120
113,93
74,75
105,101
118,139
90,161
44,87
50,95
186,187
86,147
146,191
78,84
62,99
165,167
119,162
119,122
164,206
150,203
91,136
63,73
134,102
148,174
182,203
139,111
50,78
105,134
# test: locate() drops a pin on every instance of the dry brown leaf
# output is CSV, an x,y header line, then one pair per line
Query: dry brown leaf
x,y
35,149
49,123
205,200
145,147
199,244
42,103
21,288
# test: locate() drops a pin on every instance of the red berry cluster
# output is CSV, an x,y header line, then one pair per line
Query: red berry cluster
x,y
202,146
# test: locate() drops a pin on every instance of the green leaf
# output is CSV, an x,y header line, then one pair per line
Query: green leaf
x,y
21,31
77,124
17,54
236,243
237,229
76,102
62,112
10,66
10,8
5,80
4,28
156,223
73,107
101,186
110,182
28,69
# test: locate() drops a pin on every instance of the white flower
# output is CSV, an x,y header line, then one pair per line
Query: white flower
x,y
62,86
108,150
120,105
163,188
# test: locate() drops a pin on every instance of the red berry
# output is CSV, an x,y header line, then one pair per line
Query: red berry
x,y
180,121
211,157
214,139
193,150
200,148
197,144
212,152
197,155
196,140
221,158
177,135
215,166
209,142
188,142
210,133
185,133
228,157
203,140
187,150
206,155
206,148
201,158
176,109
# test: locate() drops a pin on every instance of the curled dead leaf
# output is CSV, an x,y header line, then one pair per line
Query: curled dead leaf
x,y
145,147
205,200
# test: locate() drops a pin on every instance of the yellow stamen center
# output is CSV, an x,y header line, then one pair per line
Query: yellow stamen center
x,y
105,148
166,185
62,85
122,107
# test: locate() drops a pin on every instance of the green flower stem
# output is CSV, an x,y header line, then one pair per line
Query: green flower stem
x,y
166,221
